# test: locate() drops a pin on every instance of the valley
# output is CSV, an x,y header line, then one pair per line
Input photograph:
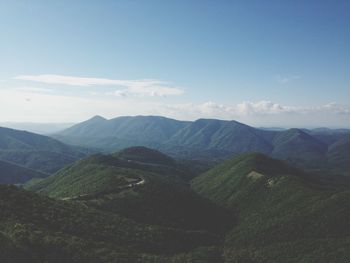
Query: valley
x,y
174,131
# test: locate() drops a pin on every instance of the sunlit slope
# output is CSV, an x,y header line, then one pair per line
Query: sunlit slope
x,y
139,183
283,215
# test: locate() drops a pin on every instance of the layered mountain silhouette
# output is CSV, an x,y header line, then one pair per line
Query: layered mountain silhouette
x,y
36,152
211,139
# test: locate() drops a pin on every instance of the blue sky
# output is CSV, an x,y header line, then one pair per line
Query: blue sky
x,y
284,63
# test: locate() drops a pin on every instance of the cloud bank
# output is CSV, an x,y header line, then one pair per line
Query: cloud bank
x,y
265,113
26,105
112,98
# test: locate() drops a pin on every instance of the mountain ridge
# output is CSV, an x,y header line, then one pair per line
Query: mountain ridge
x,y
210,139
37,152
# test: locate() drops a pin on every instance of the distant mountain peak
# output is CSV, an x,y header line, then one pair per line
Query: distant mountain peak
x,y
97,118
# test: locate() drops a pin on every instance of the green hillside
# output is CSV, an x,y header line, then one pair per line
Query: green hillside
x,y
283,215
138,183
121,132
35,151
299,148
14,174
339,155
36,229
226,136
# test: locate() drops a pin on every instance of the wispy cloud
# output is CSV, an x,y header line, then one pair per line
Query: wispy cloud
x,y
51,107
264,113
148,87
33,89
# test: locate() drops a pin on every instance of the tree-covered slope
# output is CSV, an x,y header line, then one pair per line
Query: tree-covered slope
x,y
35,151
339,155
283,215
14,174
299,148
139,183
210,139
121,132
226,136
38,229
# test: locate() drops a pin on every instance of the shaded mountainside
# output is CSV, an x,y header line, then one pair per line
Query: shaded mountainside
x,y
121,132
138,183
299,148
14,174
339,155
210,139
37,229
227,137
35,151
283,214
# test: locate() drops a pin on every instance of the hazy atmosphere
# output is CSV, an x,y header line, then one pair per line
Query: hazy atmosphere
x,y
159,131
268,63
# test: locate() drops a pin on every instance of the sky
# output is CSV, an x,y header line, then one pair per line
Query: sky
x,y
264,63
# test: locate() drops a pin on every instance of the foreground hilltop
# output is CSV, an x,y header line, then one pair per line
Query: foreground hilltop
x,y
137,205
284,214
36,229
139,183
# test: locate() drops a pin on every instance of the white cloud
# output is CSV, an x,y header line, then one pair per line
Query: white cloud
x,y
28,106
262,113
146,87
23,106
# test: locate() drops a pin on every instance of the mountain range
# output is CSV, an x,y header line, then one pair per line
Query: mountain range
x,y
218,191
205,139
36,152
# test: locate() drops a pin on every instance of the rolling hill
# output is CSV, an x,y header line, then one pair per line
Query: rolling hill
x,y
339,155
299,148
226,137
283,214
35,151
37,229
138,183
122,132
